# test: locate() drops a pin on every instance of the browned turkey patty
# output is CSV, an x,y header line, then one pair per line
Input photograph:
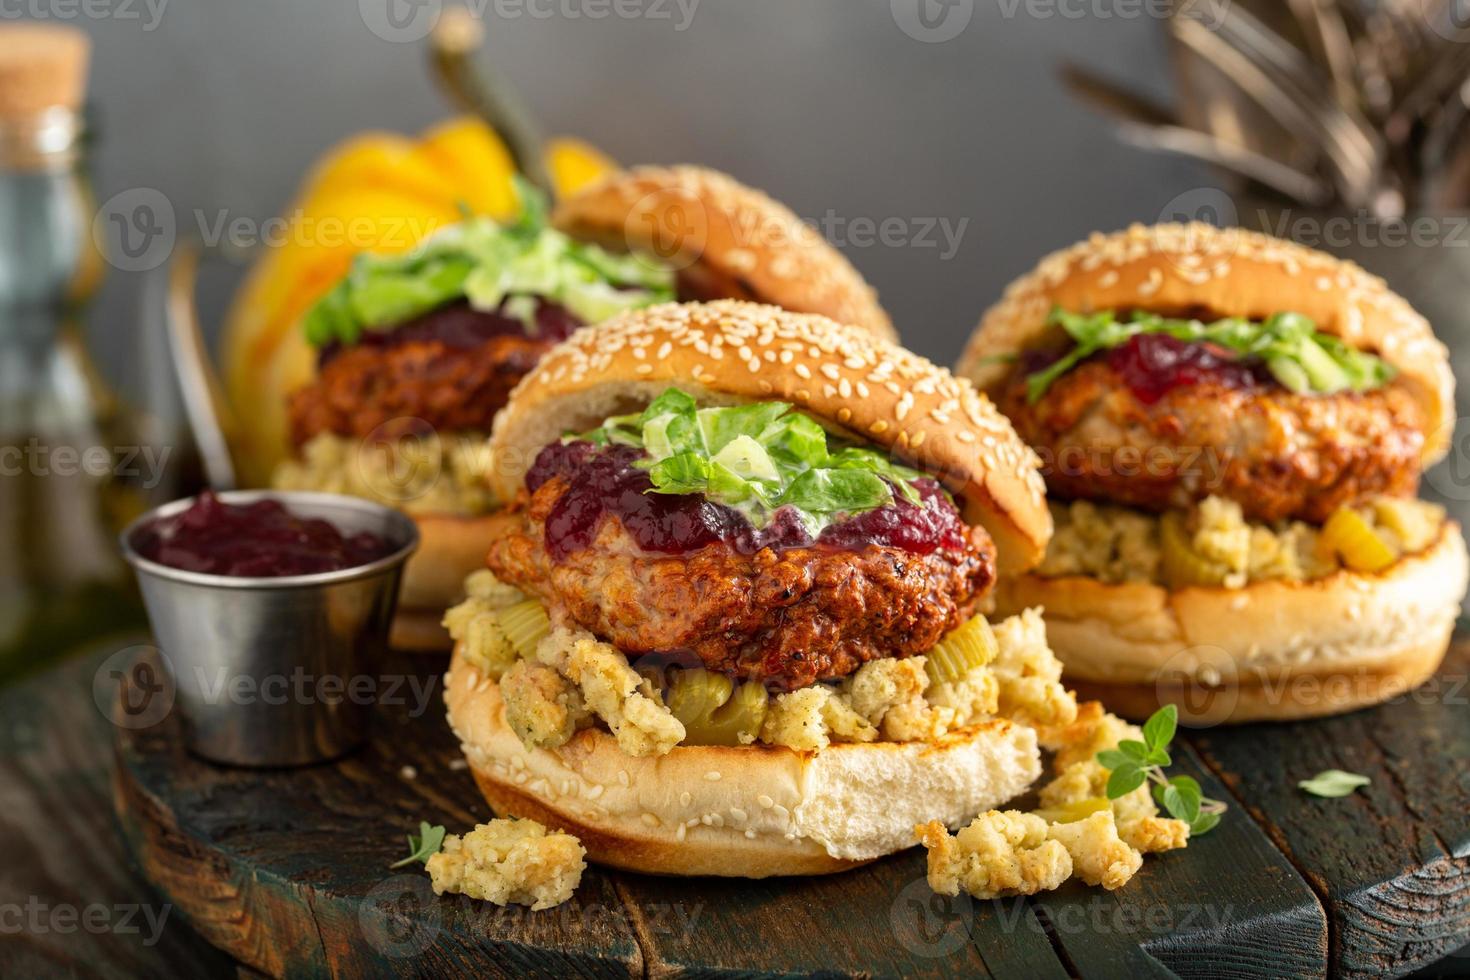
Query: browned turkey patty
x,y
1279,454
786,618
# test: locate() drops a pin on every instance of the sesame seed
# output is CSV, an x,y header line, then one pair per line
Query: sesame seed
x,y
765,801
680,833
650,820
685,799
712,776
623,777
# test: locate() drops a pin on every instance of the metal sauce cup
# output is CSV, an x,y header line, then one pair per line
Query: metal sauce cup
x,y
277,671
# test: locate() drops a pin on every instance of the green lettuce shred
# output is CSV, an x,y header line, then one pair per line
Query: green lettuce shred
x,y
488,264
756,458
1297,354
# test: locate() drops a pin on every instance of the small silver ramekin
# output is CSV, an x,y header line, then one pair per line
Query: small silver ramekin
x,y
277,671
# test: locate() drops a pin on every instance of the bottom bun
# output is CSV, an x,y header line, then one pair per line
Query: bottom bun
x,y
450,548
751,811
1270,651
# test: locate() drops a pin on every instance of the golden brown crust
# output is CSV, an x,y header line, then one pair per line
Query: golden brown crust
x,y
1242,652
690,215
735,351
751,811
1229,272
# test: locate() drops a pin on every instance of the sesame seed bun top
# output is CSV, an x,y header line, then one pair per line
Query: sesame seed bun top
x,y
855,384
746,245
1226,272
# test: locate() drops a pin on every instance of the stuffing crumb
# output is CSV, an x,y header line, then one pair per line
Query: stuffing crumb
x,y
999,853
1015,853
628,702
472,624
574,676
1029,674
890,696
1080,777
1103,840
881,685
974,698
1118,544
808,718
483,585
427,474
1099,856
1113,544
541,707
509,862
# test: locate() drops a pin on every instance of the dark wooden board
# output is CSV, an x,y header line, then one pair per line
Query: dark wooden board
x,y
277,868
62,850
1248,900
1392,861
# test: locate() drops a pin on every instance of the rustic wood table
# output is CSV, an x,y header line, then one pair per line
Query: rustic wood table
x,y
286,872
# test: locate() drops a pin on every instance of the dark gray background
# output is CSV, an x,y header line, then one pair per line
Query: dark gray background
x,y
827,104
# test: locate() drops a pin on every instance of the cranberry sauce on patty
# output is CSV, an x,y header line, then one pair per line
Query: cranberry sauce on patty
x,y
608,482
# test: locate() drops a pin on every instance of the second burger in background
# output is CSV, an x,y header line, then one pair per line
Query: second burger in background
x,y
418,352
1233,429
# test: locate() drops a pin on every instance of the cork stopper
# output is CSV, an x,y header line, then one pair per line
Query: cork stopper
x,y
41,66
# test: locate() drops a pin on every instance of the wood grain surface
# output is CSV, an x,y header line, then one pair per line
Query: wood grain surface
x,y
289,874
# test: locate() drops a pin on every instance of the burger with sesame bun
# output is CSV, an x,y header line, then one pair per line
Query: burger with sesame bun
x,y
416,353
1232,429
730,620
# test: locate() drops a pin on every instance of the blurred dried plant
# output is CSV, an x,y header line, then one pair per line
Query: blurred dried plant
x,y
1357,104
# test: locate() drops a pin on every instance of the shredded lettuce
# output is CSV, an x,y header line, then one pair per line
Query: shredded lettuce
x,y
1296,353
756,458
488,264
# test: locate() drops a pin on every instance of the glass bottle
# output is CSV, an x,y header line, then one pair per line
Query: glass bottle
x,y
62,435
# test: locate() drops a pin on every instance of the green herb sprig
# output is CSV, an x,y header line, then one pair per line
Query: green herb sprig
x,y
1334,783
756,459
1298,355
1134,763
422,847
